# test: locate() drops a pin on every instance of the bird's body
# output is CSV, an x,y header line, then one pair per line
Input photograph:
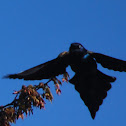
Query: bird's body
x,y
91,83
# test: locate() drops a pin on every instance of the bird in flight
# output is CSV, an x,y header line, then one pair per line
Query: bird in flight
x,y
90,82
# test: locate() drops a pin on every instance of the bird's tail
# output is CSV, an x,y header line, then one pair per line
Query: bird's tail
x,y
93,89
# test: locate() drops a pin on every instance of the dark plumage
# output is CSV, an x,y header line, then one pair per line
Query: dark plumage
x,y
91,83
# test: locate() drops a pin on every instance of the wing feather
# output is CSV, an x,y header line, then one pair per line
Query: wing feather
x,y
109,62
46,70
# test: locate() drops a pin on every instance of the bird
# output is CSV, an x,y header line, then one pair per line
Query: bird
x,y
88,80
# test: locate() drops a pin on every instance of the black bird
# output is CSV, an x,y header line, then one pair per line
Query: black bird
x,y
91,83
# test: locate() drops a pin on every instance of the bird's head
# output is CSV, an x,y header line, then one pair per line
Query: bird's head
x,y
77,49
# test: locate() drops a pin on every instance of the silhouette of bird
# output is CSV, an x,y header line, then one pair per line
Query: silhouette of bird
x,y
91,83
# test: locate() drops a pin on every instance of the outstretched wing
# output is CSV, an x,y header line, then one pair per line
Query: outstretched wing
x,y
46,70
109,62
93,89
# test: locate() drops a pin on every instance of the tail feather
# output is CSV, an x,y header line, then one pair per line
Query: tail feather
x,y
93,89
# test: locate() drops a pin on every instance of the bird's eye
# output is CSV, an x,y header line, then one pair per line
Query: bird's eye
x,y
80,46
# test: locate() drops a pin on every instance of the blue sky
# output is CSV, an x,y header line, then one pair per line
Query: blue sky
x,y
33,32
